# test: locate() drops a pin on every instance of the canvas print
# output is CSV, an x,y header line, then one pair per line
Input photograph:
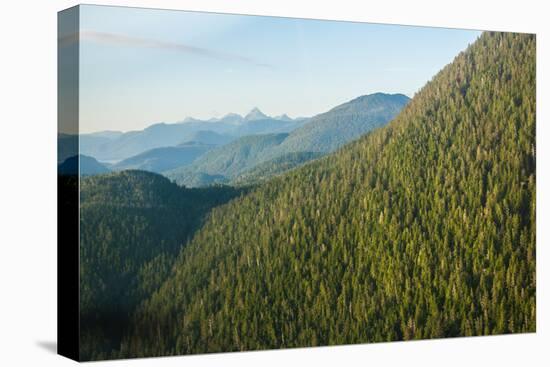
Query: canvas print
x,y
238,183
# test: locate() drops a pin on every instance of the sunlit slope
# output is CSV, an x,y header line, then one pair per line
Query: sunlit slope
x,y
424,228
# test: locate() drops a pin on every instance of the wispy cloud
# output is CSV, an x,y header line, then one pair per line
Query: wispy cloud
x,y
131,41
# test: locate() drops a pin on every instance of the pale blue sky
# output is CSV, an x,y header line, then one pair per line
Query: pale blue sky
x,y
142,66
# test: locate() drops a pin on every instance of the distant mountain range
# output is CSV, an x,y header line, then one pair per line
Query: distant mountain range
x,y
321,134
116,146
229,149
254,115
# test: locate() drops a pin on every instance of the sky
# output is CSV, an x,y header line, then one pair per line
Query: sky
x,y
143,66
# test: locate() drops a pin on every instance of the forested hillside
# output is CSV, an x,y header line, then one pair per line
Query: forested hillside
x,y
266,170
162,159
132,226
328,131
422,229
220,165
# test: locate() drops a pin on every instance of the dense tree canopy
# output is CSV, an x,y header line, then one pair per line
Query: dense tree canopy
x,y
266,170
422,229
132,226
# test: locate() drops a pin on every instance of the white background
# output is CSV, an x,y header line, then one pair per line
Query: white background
x,y
28,182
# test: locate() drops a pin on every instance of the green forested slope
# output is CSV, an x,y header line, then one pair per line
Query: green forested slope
x,y
225,162
132,226
162,159
328,131
424,228
266,170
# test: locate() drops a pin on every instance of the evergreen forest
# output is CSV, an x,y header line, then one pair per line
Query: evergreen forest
x,y
422,228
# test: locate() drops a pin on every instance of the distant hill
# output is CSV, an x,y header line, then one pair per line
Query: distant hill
x,y
135,142
321,134
330,130
88,166
208,137
92,143
225,162
165,158
109,134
